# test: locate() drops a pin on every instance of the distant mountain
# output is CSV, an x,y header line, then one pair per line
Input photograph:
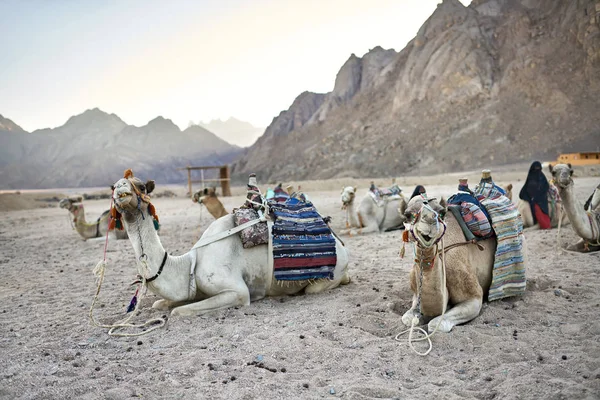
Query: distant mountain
x,y
234,131
497,82
94,148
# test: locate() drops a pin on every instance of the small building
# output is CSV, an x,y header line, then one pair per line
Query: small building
x,y
585,158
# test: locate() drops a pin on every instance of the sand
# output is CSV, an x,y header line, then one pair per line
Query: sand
x,y
543,345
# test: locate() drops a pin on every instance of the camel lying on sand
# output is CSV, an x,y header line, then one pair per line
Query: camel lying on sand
x,y
585,224
88,230
371,216
208,197
556,214
468,267
209,277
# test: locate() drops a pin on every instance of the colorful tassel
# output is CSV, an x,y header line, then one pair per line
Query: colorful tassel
x,y
156,224
128,174
133,301
115,220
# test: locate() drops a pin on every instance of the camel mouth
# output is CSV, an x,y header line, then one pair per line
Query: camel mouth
x,y
122,197
427,238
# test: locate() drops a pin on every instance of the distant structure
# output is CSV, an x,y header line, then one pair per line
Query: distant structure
x,y
224,178
586,158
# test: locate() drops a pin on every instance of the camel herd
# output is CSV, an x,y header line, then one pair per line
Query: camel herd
x,y
218,272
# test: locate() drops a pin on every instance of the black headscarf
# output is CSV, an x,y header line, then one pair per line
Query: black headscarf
x,y
535,189
419,189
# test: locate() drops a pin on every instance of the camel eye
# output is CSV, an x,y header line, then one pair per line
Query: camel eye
x,y
442,214
409,216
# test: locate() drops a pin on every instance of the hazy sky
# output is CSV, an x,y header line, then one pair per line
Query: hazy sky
x,y
185,60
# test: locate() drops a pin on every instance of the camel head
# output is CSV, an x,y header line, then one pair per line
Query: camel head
x,y
425,219
72,204
201,195
562,174
348,194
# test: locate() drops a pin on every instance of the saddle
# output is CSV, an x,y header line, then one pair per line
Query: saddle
x,y
382,196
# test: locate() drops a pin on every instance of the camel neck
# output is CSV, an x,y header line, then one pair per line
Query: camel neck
x,y
173,281
87,231
433,290
577,215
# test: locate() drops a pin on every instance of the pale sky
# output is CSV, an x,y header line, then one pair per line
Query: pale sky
x,y
185,60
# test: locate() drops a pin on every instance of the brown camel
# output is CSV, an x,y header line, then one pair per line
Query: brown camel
x,y
208,197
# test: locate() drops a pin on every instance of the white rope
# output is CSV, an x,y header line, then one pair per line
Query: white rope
x,y
157,322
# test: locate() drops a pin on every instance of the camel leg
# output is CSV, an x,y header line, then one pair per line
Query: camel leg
x,y
224,299
164,305
411,313
459,314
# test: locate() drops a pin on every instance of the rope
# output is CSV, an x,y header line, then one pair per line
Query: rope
x,y
416,318
99,271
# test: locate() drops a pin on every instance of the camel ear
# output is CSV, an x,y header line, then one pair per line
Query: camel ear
x,y
443,203
550,168
150,186
509,187
205,192
354,189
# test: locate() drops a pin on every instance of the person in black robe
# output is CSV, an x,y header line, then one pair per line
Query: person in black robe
x,y
535,192
419,189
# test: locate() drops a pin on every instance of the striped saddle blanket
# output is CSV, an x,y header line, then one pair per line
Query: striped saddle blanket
x,y
508,275
303,244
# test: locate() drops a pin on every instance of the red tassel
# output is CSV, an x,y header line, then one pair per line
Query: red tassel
x,y
115,220
128,174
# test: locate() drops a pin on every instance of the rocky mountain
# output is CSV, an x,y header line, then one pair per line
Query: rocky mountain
x,y
94,148
497,82
234,131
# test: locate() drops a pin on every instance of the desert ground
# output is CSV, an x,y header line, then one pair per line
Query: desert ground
x,y
338,344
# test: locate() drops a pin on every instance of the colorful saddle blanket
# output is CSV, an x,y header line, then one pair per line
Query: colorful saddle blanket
x,y
508,275
380,196
303,244
473,214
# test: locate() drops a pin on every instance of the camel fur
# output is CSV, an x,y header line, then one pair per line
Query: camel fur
x,y
468,269
370,217
208,197
585,224
88,230
220,275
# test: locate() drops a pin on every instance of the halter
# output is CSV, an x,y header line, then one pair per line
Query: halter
x,y
438,220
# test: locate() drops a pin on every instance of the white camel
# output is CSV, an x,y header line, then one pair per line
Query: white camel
x,y
87,230
585,224
219,275
371,216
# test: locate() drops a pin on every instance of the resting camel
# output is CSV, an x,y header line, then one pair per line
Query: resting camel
x,y
593,202
556,214
87,230
219,275
370,217
208,197
468,268
585,224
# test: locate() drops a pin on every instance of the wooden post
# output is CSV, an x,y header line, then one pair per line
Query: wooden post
x,y
190,182
202,178
225,182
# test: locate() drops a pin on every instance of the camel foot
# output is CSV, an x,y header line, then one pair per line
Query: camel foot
x,y
445,325
408,317
162,305
345,279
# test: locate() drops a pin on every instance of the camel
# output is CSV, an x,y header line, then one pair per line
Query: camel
x,y
370,216
87,230
585,224
217,273
468,273
208,197
556,214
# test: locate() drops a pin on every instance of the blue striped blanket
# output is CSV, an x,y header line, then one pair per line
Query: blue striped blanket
x,y
303,245
508,275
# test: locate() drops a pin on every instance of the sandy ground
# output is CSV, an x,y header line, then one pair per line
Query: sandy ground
x,y
544,345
